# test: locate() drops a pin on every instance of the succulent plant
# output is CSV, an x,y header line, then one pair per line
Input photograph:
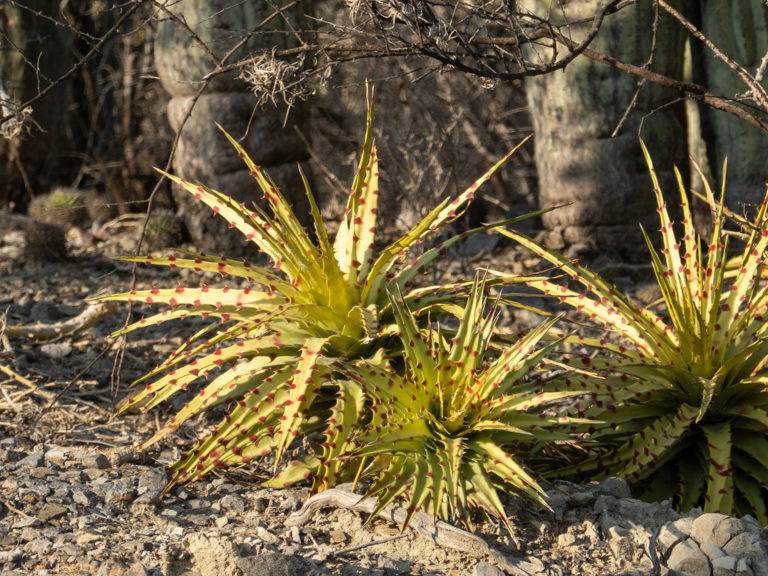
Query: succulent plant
x,y
63,206
449,430
281,346
46,241
682,389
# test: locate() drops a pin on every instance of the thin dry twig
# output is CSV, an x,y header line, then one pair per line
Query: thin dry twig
x,y
87,318
77,66
758,92
18,377
13,509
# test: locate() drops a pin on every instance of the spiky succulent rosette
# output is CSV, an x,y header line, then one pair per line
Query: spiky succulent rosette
x,y
683,389
448,432
277,350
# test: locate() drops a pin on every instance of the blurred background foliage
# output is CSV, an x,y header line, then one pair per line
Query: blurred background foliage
x,y
96,94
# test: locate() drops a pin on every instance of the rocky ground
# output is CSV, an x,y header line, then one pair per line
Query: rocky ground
x,y
76,497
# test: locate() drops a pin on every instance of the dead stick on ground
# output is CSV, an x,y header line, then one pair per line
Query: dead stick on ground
x,y
18,377
14,509
87,318
11,403
441,533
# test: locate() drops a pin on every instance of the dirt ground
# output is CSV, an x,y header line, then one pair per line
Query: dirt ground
x,y
60,378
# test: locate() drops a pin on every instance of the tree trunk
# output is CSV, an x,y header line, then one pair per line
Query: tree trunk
x,y
203,152
740,29
575,113
32,157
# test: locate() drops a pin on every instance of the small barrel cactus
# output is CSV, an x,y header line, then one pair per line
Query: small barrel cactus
x,y
64,206
46,241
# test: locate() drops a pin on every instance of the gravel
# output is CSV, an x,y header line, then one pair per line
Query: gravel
x,y
76,498
73,510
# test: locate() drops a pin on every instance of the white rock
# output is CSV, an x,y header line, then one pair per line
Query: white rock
x,y
712,550
724,566
743,569
486,569
703,527
590,531
620,542
726,530
565,540
747,546
672,533
688,559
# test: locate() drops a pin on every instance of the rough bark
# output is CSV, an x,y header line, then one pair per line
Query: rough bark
x,y
203,153
575,113
740,29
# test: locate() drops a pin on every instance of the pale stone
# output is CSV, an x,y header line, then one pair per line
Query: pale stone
x,y
724,566
712,550
703,528
688,559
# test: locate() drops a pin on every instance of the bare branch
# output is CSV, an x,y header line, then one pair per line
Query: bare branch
x,y
135,4
759,93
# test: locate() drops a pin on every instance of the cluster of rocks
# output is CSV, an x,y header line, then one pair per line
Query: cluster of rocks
x,y
73,510
652,538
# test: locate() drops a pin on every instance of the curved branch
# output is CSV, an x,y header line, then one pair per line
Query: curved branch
x,y
689,88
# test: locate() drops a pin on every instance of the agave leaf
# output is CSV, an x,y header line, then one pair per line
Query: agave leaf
x,y
677,299
339,437
263,385
445,211
517,359
177,380
159,318
392,483
752,490
404,277
609,308
218,265
232,384
473,333
307,378
416,349
508,470
479,478
673,263
354,240
295,472
752,443
295,240
216,297
749,465
251,225
655,440
249,341
708,386
758,415
453,456
419,488
720,491
692,485
322,234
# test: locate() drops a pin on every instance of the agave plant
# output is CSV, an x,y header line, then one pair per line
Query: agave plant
x,y
280,343
448,431
684,387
